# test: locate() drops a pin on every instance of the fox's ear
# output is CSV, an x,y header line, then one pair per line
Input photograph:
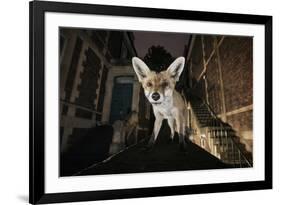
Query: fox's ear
x,y
140,68
176,68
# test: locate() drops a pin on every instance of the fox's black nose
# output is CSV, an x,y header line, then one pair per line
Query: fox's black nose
x,y
155,96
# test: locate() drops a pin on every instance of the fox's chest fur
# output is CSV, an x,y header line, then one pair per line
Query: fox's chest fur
x,y
165,109
170,107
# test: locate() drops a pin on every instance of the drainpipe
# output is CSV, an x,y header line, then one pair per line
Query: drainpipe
x,y
206,88
221,81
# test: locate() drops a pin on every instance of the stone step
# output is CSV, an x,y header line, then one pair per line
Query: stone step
x,y
162,157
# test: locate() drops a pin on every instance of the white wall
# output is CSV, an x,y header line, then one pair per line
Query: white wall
x,y
14,100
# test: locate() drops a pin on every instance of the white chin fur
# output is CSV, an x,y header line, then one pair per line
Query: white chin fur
x,y
155,102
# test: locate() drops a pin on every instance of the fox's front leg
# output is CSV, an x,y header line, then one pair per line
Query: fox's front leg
x,y
156,129
171,122
180,128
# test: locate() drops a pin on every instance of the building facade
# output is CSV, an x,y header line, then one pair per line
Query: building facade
x,y
97,82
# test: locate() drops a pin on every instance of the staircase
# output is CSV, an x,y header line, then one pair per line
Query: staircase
x,y
220,136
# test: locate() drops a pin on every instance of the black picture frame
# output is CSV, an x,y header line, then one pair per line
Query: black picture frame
x,y
37,10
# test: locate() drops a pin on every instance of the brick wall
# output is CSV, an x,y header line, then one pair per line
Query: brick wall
x,y
228,78
213,85
196,58
237,71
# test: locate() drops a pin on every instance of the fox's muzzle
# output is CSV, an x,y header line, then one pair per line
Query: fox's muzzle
x,y
155,96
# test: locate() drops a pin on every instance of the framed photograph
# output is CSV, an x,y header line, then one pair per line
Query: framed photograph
x,y
140,102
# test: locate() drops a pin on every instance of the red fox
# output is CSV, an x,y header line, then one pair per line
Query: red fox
x,y
167,103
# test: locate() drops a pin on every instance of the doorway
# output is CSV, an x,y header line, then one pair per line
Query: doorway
x,y
121,102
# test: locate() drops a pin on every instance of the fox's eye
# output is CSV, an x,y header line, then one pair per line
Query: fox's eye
x,y
149,84
165,84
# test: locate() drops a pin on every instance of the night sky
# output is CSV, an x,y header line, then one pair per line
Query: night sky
x,y
174,43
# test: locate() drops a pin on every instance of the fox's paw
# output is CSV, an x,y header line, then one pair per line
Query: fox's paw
x,y
148,148
182,147
171,141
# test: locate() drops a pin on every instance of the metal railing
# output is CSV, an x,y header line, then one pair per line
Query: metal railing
x,y
222,142
76,105
84,108
224,147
